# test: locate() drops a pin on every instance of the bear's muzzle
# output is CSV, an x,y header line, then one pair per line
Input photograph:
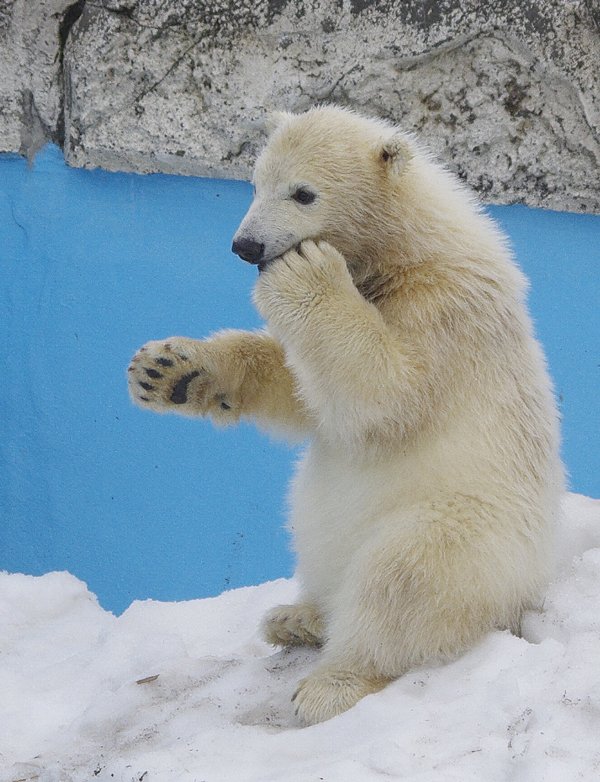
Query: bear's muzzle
x,y
248,250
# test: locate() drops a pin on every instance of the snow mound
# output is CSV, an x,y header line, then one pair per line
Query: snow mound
x,y
188,692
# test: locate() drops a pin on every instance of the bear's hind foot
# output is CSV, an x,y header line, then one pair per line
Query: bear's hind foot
x,y
293,625
329,692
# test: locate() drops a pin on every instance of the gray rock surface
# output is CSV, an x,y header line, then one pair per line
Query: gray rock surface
x,y
31,52
506,93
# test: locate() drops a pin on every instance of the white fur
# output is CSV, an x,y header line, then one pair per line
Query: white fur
x,y
423,509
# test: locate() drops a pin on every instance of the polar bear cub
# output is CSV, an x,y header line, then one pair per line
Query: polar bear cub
x,y
399,347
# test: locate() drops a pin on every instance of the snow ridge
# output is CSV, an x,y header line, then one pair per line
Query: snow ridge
x,y
188,691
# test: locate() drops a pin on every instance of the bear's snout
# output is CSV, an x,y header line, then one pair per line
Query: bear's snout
x,y
248,250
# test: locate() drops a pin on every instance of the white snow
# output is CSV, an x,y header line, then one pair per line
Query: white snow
x,y
74,706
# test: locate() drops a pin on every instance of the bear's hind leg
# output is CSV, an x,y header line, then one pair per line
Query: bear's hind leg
x,y
423,590
294,625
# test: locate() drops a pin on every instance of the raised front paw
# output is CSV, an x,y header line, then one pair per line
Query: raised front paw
x,y
299,281
175,374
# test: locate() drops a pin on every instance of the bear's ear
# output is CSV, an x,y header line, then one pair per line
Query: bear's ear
x,y
394,153
276,119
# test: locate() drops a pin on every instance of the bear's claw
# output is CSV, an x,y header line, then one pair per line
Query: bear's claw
x,y
329,692
294,625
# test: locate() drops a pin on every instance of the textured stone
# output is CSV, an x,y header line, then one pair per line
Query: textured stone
x,y
32,36
506,93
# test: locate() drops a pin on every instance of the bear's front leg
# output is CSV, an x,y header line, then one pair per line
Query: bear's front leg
x,y
180,375
354,372
301,282
231,375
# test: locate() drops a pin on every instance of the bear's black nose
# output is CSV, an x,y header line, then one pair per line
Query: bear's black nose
x,y
248,250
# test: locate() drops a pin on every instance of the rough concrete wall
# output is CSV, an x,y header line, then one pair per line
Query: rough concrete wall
x,y
506,93
32,35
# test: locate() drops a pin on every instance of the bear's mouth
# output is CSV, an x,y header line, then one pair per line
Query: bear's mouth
x,y
254,253
264,262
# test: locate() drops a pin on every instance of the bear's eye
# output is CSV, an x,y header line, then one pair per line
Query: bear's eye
x,y
303,196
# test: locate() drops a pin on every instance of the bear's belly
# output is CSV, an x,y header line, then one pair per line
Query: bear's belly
x,y
337,504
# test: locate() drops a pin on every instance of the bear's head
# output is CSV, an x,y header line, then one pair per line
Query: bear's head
x,y
328,174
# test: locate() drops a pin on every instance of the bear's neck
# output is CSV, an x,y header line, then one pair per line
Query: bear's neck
x,y
379,276
376,288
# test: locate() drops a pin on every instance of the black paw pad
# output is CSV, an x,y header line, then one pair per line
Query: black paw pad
x,y
179,393
146,386
164,362
153,373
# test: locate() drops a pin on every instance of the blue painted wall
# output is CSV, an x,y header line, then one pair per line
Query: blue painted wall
x,y
93,265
